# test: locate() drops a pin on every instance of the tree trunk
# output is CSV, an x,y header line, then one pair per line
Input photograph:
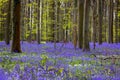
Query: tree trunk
x,y
86,25
80,22
39,20
110,28
7,30
75,25
55,22
116,22
16,27
94,4
100,15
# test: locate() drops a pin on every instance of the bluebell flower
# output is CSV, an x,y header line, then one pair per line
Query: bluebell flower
x,y
2,75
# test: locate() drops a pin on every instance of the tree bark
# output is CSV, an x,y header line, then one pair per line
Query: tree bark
x,y
116,21
75,25
7,30
39,20
100,17
80,22
86,25
94,6
110,24
16,27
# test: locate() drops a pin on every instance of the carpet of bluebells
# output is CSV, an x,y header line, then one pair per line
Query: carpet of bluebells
x,y
44,62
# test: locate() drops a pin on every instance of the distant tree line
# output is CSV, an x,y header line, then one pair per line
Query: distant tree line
x,y
76,21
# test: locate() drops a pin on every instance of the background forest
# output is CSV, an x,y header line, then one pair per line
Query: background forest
x,y
59,39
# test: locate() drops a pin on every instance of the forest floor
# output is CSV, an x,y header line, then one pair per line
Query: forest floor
x,y
44,62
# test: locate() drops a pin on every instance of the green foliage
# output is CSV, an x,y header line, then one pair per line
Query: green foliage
x,y
65,1
76,62
8,64
118,13
60,70
2,2
44,59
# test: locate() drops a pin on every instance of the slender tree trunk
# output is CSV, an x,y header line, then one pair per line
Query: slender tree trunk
x,y
110,28
105,20
100,17
16,27
22,20
75,25
7,30
80,22
55,23
39,20
94,4
116,22
58,21
86,25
